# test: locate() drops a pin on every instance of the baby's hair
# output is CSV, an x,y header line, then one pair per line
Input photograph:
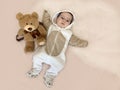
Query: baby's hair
x,y
66,12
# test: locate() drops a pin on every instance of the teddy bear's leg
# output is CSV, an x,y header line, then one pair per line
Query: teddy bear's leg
x,y
40,41
29,46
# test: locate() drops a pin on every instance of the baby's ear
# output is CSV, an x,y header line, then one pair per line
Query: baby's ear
x,y
34,14
19,15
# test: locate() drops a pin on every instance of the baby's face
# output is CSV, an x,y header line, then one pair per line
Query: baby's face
x,y
64,19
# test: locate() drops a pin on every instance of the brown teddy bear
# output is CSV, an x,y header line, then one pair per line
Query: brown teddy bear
x,y
31,30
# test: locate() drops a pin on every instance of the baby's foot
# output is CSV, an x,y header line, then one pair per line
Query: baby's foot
x,y
48,80
84,44
33,73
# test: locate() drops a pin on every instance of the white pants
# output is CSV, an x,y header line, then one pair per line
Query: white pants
x,y
55,62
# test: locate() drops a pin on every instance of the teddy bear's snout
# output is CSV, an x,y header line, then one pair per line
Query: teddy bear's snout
x,y
30,28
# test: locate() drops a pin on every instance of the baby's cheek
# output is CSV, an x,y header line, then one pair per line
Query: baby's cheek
x,y
67,24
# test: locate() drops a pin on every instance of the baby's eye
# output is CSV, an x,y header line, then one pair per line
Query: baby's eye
x,y
67,21
26,23
62,17
31,23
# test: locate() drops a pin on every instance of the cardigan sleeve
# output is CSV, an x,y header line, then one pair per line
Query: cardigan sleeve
x,y
46,19
77,42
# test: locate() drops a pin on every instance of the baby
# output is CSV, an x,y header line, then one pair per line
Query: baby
x,y
58,38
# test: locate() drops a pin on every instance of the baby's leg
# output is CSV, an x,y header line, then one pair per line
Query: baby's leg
x,y
50,75
36,68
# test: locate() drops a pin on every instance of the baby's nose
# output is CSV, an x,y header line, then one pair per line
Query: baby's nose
x,y
64,21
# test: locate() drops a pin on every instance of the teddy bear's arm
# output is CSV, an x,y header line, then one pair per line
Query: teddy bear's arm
x,y
20,32
46,19
20,35
75,41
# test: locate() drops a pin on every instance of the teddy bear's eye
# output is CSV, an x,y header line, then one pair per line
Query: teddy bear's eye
x,y
26,23
31,23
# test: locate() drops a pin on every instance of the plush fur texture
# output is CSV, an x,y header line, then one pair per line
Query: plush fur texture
x,y
31,31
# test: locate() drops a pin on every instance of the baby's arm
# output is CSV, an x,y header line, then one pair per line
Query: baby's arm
x,y
46,19
75,41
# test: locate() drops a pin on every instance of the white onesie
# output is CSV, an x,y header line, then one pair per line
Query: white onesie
x,y
56,62
53,53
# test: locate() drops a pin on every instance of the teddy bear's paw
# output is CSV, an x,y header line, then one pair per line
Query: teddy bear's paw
x,y
42,43
19,37
33,73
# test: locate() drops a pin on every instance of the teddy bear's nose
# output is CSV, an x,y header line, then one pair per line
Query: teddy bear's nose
x,y
29,28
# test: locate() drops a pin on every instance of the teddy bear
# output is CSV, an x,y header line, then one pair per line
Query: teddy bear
x,y
31,30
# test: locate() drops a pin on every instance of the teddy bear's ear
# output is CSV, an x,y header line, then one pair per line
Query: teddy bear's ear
x,y
34,14
19,16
